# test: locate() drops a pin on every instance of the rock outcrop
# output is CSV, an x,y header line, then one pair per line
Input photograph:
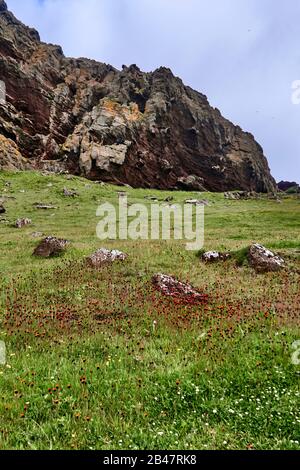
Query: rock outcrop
x,y
142,129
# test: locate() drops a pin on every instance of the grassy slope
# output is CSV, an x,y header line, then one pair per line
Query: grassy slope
x,y
87,368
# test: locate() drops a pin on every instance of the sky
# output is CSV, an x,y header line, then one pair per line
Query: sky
x,y
243,54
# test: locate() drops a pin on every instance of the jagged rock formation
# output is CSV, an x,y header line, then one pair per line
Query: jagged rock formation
x,y
143,129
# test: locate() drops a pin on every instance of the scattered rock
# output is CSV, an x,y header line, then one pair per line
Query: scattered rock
x,y
22,223
37,234
44,206
214,256
241,195
197,202
264,260
70,193
104,256
171,287
50,246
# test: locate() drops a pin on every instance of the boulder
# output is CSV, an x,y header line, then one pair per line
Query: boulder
x,y
50,246
264,260
22,223
171,287
103,256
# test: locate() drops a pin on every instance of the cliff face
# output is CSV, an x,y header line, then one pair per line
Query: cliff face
x,y
144,129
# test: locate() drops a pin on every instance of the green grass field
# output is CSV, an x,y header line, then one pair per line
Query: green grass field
x,y
99,360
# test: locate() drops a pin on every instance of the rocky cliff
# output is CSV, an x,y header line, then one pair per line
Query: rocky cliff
x,y
143,129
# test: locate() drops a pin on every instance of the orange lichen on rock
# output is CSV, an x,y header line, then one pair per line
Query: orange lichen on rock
x,y
10,156
129,113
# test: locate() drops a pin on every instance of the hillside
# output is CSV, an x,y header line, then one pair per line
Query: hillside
x,y
97,359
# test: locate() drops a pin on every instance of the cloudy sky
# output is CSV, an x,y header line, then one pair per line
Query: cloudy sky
x,y
243,54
